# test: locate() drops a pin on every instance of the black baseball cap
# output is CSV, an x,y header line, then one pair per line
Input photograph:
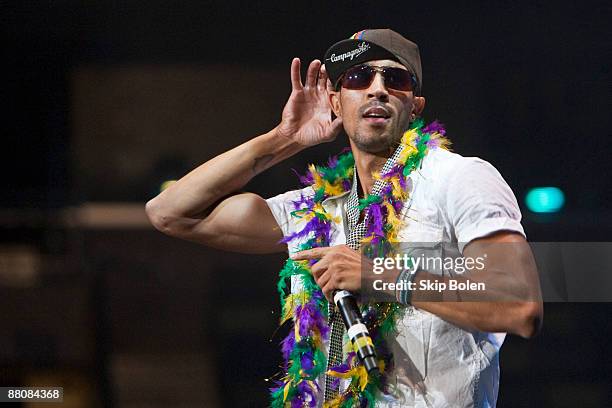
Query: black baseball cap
x,y
373,44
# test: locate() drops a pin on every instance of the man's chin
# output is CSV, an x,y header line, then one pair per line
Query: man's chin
x,y
373,145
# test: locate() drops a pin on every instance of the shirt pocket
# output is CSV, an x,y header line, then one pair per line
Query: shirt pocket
x,y
422,240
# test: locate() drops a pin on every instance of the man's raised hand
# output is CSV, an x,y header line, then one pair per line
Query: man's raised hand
x,y
306,117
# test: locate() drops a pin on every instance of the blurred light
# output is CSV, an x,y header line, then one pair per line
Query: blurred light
x,y
20,266
545,199
166,184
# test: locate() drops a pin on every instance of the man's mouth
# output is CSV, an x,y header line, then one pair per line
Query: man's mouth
x,y
376,115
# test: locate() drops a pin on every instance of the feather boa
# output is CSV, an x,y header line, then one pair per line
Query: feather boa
x,y
302,349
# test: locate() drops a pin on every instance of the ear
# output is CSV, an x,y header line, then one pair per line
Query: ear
x,y
334,102
419,105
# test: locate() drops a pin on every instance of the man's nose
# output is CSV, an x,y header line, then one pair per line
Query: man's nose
x,y
377,88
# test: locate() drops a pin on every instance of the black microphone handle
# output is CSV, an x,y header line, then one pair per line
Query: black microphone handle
x,y
356,329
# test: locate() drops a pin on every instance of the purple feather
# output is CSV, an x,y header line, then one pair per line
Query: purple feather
x,y
351,357
376,219
304,202
386,190
395,170
320,228
346,185
332,161
311,318
341,368
306,361
317,297
335,383
403,182
305,389
433,143
434,127
305,179
287,344
320,319
305,319
398,205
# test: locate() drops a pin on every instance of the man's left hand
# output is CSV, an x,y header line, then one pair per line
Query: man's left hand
x,y
338,267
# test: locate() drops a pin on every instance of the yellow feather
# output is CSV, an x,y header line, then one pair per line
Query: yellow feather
x,y
316,338
333,189
290,303
406,153
396,190
381,366
363,377
316,177
296,330
358,371
286,391
348,347
409,137
367,240
308,216
445,143
337,374
392,217
318,208
334,403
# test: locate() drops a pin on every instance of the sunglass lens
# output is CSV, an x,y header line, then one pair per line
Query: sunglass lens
x,y
400,79
358,77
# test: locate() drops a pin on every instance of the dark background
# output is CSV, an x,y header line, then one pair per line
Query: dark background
x,y
127,317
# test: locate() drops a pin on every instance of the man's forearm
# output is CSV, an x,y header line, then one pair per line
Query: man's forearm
x,y
476,311
504,296
520,316
194,193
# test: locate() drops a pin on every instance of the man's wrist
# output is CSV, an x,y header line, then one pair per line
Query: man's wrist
x,y
404,284
270,149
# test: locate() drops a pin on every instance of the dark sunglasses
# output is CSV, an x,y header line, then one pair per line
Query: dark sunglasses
x,y
361,76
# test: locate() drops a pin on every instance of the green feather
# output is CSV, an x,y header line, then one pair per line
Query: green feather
x,y
370,199
342,170
277,399
368,393
320,360
417,124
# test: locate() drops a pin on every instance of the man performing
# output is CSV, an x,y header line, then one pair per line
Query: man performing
x,y
398,183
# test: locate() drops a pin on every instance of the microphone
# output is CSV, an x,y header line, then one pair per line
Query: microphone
x,y
356,329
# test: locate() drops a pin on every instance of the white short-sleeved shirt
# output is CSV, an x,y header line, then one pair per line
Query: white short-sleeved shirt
x,y
453,199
